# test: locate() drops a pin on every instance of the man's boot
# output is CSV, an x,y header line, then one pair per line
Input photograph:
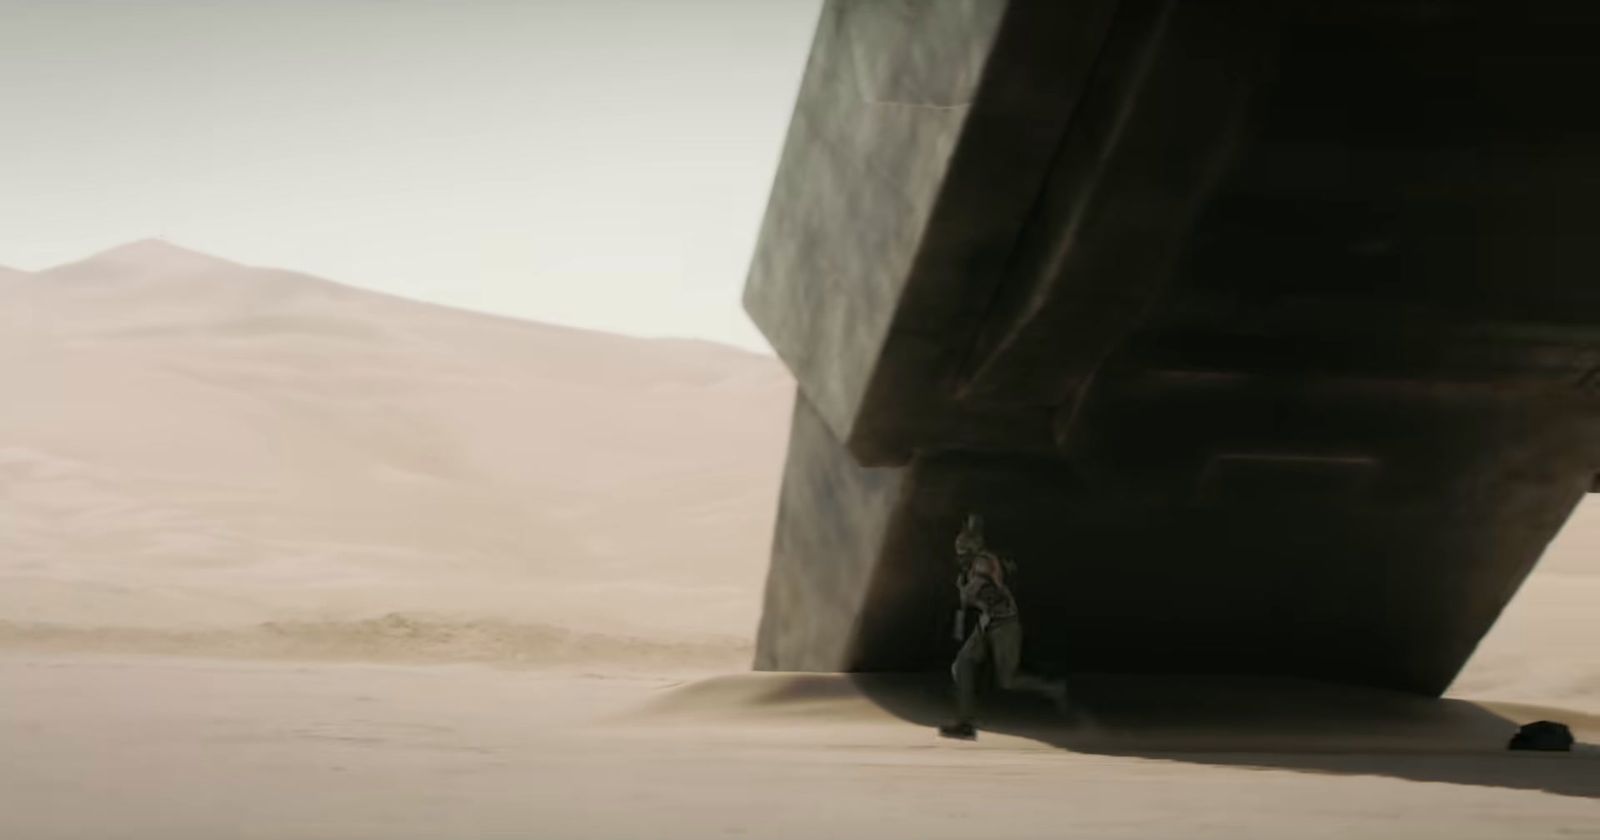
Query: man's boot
x,y
961,729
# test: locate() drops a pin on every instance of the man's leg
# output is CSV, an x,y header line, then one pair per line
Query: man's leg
x,y
1006,638
966,670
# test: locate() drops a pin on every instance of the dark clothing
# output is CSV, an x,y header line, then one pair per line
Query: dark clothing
x,y
1000,643
997,640
987,595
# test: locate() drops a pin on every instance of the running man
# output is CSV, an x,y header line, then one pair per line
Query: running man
x,y
996,639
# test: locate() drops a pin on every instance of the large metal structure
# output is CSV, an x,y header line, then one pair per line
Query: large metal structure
x,y
1265,334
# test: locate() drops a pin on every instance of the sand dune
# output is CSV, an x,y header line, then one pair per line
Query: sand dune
x,y
188,442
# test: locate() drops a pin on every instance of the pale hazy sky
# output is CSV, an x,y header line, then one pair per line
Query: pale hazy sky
x,y
602,163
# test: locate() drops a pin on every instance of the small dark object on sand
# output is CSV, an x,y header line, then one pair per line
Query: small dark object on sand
x,y
1544,735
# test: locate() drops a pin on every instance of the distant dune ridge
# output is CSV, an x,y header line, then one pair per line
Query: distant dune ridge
x,y
188,443
201,456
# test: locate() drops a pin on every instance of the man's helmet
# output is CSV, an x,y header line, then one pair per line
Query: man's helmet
x,y
970,540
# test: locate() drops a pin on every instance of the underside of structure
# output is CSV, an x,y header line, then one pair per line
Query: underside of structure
x,y
1265,335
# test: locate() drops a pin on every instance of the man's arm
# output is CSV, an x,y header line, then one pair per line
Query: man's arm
x,y
963,603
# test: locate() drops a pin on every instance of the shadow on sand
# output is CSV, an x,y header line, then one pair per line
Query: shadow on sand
x,y
1266,723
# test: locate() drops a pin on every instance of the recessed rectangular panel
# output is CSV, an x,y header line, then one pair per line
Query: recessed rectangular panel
x,y
1274,478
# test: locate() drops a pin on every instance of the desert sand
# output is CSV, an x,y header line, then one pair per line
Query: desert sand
x,y
281,558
